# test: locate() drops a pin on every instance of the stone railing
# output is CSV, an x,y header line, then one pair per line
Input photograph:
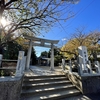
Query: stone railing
x,y
88,82
88,69
69,67
10,86
9,63
87,78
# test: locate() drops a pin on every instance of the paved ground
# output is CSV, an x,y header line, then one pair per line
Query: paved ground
x,y
45,70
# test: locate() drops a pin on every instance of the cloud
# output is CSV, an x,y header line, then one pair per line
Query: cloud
x,y
64,39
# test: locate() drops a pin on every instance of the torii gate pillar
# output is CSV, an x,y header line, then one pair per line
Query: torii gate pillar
x,y
52,57
29,55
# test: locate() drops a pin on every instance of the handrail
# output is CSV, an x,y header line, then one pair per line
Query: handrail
x,y
9,60
80,68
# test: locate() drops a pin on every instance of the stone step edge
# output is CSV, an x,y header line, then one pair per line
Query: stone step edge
x,y
50,83
44,76
63,94
52,89
43,79
60,96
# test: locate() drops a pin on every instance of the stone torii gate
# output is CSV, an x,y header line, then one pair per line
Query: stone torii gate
x,y
34,41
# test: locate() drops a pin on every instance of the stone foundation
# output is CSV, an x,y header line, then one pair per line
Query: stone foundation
x,y
10,88
86,84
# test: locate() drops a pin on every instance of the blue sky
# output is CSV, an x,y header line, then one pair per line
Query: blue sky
x,y
87,15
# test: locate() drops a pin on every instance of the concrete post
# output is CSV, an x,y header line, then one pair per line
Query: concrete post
x,y
29,55
0,60
52,58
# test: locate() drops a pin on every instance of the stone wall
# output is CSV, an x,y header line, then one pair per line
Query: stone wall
x,y
86,84
91,84
10,88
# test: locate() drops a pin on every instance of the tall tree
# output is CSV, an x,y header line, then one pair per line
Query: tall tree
x,y
94,48
30,16
44,54
11,50
80,38
77,39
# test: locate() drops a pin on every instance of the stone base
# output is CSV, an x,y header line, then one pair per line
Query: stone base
x,y
86,84
91,84
10,88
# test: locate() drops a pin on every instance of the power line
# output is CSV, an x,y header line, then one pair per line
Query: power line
x,y
62,27
79,12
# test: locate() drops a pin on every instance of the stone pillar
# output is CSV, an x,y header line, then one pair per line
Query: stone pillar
x,y
52,58
20,64
83,58
63,64
29,55
97,66
89,66
70,65
24,62
0,60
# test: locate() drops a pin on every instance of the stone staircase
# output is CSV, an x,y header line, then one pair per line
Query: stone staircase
x,y
49,87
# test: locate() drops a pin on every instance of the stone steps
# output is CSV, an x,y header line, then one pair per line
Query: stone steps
x,y
58,95
78,97
45,90
44,80
45,85
42,76
54,87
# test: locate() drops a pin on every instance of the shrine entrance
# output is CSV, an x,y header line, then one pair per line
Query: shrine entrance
x,y
34,41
